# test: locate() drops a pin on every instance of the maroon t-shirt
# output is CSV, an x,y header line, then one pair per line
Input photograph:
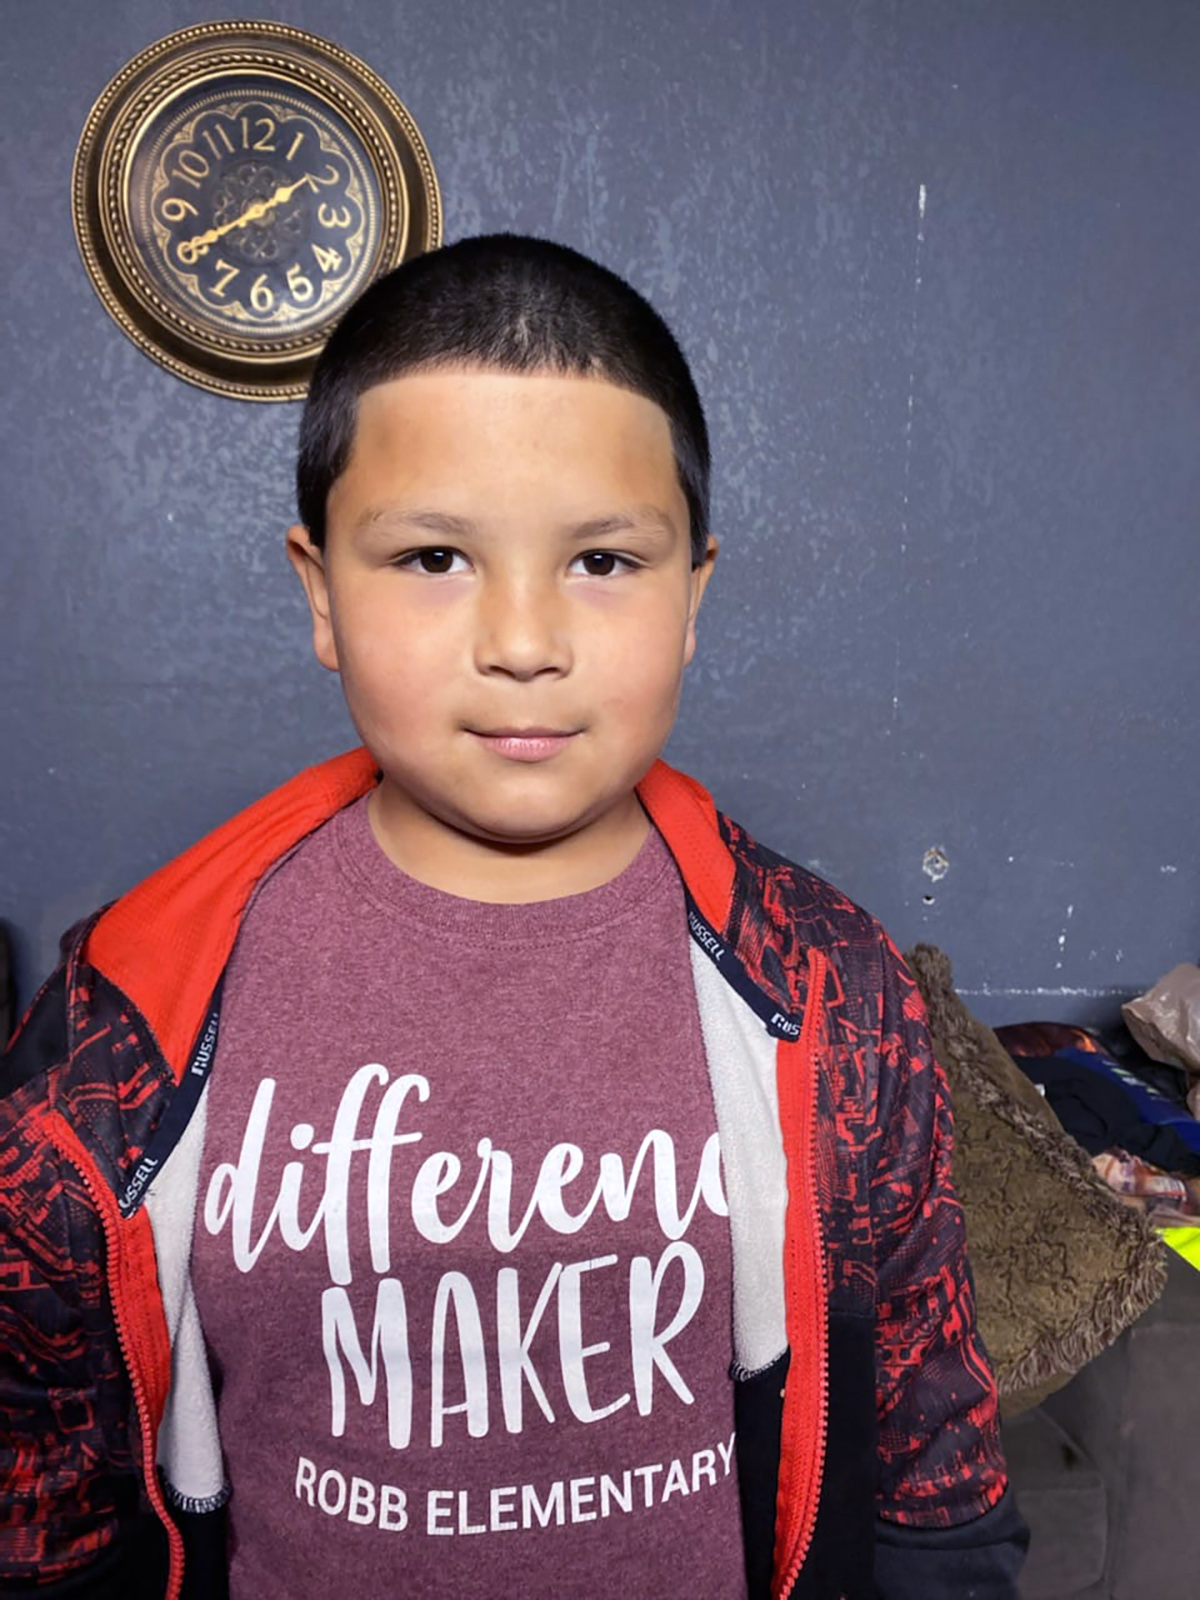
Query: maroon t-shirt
x,y
462,1256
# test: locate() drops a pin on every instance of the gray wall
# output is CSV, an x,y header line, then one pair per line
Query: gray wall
x,y
956,450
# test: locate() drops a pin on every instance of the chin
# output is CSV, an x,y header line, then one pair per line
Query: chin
x,y
521,830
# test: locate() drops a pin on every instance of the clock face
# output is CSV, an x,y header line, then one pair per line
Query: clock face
x,y
254,211
236,186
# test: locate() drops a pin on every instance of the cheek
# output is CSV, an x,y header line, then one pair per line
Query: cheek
x,y
641,675
639,643
375,633
389,670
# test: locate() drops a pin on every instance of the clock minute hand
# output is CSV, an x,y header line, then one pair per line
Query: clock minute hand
x,y
190,250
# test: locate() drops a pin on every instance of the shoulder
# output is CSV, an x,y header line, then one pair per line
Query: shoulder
x,y
782,910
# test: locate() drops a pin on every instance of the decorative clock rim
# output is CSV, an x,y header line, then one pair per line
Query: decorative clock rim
x,y
264,370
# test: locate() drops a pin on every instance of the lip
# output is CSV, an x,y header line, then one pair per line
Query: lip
x,y
525,744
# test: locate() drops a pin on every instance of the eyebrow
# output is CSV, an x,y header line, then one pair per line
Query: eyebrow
x,y
636,519
387,517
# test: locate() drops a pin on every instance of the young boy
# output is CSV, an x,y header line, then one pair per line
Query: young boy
x,y
479,1168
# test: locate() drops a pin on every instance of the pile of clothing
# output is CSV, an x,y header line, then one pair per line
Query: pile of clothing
x,y
1129,1097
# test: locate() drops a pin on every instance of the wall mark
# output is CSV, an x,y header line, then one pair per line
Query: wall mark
x,y
1062,939
992,992
918,252
936,864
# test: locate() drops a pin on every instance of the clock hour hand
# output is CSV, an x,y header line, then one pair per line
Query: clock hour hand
x,y
190,250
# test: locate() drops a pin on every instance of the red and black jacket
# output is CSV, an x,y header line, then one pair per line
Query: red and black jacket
x,y
868,1450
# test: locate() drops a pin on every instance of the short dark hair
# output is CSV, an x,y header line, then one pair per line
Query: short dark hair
x,y
513,304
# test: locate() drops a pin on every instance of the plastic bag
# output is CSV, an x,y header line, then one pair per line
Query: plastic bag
x,y
1165,1020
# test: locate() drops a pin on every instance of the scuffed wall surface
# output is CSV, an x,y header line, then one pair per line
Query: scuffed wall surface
x,y
935,266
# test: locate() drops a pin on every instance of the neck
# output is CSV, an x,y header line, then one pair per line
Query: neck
x,y
506,873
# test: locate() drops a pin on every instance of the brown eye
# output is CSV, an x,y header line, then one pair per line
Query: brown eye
x,y
435,561
599,563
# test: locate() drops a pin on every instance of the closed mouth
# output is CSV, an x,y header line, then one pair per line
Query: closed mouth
x,y
524,733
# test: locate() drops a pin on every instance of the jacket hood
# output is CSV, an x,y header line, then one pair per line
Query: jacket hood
x,y
166,942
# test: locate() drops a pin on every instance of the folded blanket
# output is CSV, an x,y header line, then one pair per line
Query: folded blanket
x,y
1061,1266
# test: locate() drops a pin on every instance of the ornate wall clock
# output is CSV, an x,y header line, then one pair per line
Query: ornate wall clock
x,y
235,186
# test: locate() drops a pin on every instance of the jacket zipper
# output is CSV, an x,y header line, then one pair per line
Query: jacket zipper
x,y
806,1297
67,1143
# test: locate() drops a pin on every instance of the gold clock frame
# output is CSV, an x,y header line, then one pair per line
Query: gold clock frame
x,y
411,207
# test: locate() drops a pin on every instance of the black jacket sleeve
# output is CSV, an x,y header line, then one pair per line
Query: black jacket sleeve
x,y
977,1560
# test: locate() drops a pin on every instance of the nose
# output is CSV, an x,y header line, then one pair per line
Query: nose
x,y
522,630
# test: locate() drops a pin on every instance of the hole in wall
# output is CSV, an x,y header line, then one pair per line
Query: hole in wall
x,y
936,863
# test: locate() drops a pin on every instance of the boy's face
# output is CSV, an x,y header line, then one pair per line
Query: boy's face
x,y
508,595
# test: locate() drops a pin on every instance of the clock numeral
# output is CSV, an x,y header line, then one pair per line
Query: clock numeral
x,y
329,218
261,297
263,142
228,274
315,183
174,210
210,136
301,287
191,167
295,145
327,260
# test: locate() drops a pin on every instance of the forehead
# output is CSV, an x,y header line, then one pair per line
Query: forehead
x,y
460,425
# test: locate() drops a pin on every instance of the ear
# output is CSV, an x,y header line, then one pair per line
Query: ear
x,y
309,563
699,582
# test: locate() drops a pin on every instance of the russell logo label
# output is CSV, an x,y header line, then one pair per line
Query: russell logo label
x,y
705,937
177,1116
142,1174
202,1060
776,1022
